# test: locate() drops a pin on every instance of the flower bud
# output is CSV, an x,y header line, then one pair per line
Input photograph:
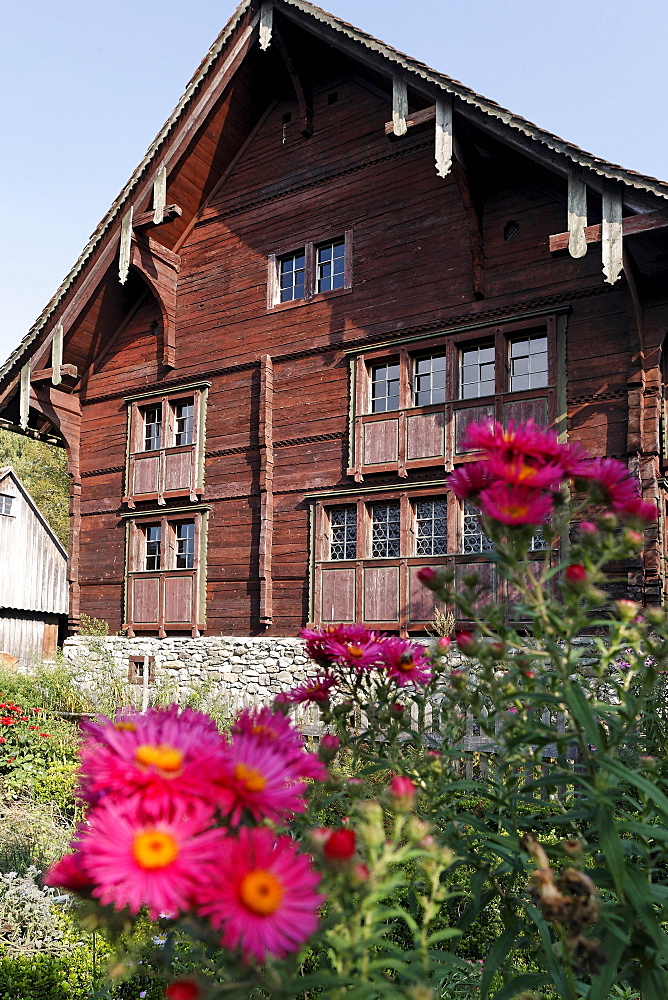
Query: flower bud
x,y
428,577
588,528
443,644
634,539
655,616
355,784
328,747
417,829
371,823
496,650
184,989
340,845
467,643
627,610
458,679
576,576
402,794
359,874
397,710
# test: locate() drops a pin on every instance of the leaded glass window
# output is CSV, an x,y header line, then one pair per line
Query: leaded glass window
x,y
343,532
538,543
184,416
474,538
477,371
528,363
152,427
331,266
153,539
385,530
430,528
291,272
184,536
384,388
429,380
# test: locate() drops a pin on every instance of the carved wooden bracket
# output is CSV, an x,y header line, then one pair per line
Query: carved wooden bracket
x,y
302,91
160,269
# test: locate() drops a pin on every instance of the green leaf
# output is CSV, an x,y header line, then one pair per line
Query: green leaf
x,y
576,700
528,981
638,780
497,956
611,846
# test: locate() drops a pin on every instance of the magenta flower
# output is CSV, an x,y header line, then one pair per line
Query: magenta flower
x,y
639,512
609,482
317,638
402,793
314,689
262,894
69,873
405,661
523,472
260,781
467,481
361,654
273,729
166,757
515,504
158,864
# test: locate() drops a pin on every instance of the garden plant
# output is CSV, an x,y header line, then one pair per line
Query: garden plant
x,y
497,827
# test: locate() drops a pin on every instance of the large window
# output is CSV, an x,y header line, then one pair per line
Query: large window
x,y
165,572
411,406
315,268
166,445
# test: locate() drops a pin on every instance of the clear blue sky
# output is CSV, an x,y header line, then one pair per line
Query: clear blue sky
x,y
86,86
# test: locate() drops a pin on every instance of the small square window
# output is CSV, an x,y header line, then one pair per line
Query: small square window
x,y
331,266
477,372
385,530
430,528
291,275
5,504
384,388
528,363
429,380
343,532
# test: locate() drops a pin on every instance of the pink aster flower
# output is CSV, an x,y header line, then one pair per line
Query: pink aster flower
x,y
638,512
314,689
405,661
468,480
512,441
260,781
273,729
262,894
609,481
158,864
69,873
164,756
523,472
515,504
359,653
317,638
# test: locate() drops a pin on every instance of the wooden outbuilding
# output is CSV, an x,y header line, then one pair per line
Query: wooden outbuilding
x,y
330,261
33,577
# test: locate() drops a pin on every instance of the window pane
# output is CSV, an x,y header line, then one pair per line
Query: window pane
x,y
477,371
184,416
384,388
473,537
184,534
5,504
153,542
152,417
343,532
430,528
328,276
291,272
385,535
429,380
528,363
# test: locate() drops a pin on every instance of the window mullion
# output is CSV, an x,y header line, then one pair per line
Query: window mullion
x,y
309,271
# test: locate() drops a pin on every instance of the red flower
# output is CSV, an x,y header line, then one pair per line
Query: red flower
x,y
467,643
7,720
575,575
183,989
402,793
2,739
340,845
45,734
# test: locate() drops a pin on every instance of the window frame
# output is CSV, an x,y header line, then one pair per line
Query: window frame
x,y
310,248
138,577
418,437
171,470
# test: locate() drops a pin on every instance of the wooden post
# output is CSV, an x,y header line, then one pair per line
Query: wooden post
x,y
266,24
266,443
159,195
57,355
611,233
577,216
124,250
443,148
399,106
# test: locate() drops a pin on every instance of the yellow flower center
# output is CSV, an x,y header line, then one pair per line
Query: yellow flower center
x,y
252,779
261,730
154,849
161,757
515,510
356,651
261,892
125,727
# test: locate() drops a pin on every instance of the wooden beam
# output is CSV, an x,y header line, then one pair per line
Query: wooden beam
x,y
68,375
146,219
159,268
302,92
415,118
266,24
399,106
57,355
160,195
611,233
474,219
266,444
124,246
577,216
444,136
631,225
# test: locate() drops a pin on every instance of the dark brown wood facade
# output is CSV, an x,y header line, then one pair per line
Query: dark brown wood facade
x,y
234,467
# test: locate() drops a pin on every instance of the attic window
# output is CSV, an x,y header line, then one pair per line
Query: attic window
x,y
333,97
511,231
5,504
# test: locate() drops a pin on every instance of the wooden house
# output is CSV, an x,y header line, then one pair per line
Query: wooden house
x,y
330,261
33,576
